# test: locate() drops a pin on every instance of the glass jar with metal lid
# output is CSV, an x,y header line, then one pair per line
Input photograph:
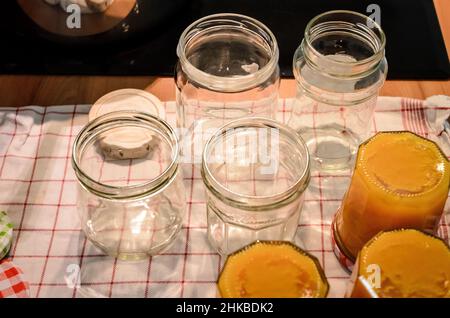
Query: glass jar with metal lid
x,y
131,192
227,69
255,172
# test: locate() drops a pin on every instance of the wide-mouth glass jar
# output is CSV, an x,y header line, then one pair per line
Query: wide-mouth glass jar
x,y
339,69
131,192
227,69
255,172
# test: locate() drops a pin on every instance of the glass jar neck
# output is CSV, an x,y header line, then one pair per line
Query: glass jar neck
x,y
98,128
232,29
256,202
343,44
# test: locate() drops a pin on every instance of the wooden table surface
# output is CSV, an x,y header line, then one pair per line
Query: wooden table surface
x,y
46,90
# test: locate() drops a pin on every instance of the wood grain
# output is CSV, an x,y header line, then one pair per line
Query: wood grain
x,y
62,90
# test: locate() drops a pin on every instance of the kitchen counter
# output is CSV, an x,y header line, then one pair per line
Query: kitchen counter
x,y
21,90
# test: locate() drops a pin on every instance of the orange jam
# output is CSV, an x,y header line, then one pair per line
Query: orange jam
x,y
409,264
400,180
272,270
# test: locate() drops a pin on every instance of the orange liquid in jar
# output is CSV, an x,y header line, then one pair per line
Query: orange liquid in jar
x,y
410,264
400,180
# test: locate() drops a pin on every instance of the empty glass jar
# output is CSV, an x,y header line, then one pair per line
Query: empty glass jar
x,y
131,193
339,68
227,69
255,172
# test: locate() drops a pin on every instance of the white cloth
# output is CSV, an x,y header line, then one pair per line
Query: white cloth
x,y
38,190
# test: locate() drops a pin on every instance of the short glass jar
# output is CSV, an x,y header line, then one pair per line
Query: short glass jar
x,y
339,68
227,69
255,172
130,208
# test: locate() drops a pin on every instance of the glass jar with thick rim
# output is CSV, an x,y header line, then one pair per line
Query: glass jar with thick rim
x,y
227,69
130,207
255,172
339,69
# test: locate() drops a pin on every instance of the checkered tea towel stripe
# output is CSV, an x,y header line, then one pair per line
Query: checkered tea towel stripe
x,y
38,189
6,234
12,283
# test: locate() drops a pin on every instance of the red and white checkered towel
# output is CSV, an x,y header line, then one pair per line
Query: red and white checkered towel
x,y
12,283
37,189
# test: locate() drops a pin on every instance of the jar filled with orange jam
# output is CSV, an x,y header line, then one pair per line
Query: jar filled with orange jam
x,y
400,180
402,263
272,269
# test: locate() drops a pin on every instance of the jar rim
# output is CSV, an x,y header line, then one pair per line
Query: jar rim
x,y
233,83
376,55
248,201
94,128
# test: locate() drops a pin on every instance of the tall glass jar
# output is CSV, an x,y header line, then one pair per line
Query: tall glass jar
x,y
339,68
255,172
131,200
227,69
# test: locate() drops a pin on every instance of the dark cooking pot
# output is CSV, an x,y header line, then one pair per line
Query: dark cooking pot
x,y
133,23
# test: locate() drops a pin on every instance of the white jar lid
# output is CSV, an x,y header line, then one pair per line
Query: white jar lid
x,y
130,142
127,99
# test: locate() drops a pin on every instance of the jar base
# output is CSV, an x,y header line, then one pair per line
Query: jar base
x,y
346,262
331,149
227,238
137,256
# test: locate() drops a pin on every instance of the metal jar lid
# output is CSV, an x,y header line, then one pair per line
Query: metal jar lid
x,y
6,234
